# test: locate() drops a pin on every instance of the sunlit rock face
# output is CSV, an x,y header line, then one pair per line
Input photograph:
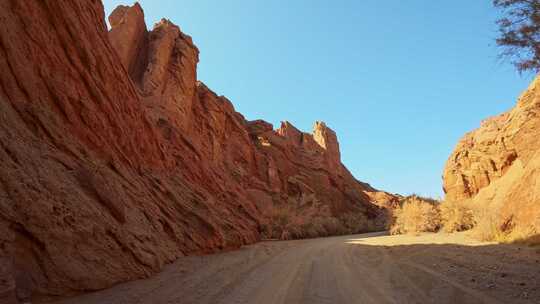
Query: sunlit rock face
x,y
498,165
115,160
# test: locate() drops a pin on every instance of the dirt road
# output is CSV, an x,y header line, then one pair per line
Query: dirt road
x,y
368,268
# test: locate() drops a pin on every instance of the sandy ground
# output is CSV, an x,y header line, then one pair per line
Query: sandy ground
x,y
367,268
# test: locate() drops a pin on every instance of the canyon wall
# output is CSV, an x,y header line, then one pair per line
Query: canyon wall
x,y
115,159
498,165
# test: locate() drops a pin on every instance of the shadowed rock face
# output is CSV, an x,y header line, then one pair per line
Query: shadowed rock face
x,y
115,160
499,163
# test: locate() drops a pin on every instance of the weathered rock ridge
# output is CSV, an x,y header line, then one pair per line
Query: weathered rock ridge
x,y
115,160
498,165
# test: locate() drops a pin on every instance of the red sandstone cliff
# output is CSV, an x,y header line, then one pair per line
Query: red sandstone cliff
x,y
498,166
115,160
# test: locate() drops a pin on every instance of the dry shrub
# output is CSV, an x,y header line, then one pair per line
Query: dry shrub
x,y
285,224
535,238
491,226
487,226
332,226
279,224
312,229
415,215
355,222
322,226
530,234
456,216
524,232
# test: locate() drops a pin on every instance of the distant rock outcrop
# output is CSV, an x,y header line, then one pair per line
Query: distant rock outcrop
x,y
498,165
115,160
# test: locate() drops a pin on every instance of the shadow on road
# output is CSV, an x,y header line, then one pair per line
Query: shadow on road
x,y
497,273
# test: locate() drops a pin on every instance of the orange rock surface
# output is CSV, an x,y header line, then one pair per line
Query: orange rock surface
x,y
115,160
498,165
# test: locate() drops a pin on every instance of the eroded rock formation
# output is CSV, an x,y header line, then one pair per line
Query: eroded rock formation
x,y
115,160
498,165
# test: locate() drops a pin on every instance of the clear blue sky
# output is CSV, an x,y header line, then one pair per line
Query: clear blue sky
x,y
399,81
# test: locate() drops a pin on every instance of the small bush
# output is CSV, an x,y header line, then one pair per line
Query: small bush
x,y
416,215
517,232
333,226
456,216
486,222
529,233
535,239
278,224
311,229
487,229
490,226
355,222
284,223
